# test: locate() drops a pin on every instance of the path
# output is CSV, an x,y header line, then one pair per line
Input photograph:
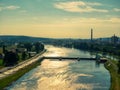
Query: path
x,y
11,70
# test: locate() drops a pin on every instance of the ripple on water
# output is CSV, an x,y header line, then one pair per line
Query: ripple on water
x,y
64,75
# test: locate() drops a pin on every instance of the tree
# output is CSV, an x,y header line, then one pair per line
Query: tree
x,y
39,47
10,58
28,46
4,49
24,55
118,66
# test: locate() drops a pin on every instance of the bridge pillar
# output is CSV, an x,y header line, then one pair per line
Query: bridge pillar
x,y
78,59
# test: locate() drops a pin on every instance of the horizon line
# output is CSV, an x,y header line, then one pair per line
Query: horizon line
x,y
60,37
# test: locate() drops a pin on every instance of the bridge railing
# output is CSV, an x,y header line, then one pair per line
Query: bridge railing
x,y
60,58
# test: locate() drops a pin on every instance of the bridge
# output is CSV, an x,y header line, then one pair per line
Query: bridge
x,y
71,58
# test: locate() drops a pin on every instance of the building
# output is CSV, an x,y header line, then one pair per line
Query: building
x,y
114,39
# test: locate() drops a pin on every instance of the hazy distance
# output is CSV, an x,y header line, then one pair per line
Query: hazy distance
x,y
60,18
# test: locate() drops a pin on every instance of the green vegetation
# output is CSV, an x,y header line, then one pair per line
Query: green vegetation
x,y
1,64
13,53
1,61
115,76
106,48
0,50
7,80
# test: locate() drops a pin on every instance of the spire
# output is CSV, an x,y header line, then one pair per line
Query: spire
x,y
91,34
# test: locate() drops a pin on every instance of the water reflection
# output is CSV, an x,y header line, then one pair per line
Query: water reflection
x,y
61,51
64,75
97,64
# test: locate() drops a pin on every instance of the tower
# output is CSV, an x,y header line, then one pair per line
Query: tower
x,y
114,39
91,34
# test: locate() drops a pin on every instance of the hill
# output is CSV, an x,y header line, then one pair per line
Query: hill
x,y
13,39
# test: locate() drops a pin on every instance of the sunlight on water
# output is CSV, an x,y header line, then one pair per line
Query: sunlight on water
x,y
61,51
53,75
59,77
55,52
64,75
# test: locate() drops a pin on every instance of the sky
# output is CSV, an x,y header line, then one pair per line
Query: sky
x,y
60,18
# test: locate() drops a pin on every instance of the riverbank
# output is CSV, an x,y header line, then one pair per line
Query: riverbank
x,y
73,77
6,81
10,79
111,66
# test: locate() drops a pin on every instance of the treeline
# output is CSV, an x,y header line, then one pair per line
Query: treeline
x,y
36,47
97,46
20,51
105,48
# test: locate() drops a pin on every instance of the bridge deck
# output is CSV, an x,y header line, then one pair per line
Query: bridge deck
x,y
78,58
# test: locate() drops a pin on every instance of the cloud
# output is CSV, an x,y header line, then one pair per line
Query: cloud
x,y
78,21
94,4
23,11
12,7
0,8
114,19
79,6
9,8
117,9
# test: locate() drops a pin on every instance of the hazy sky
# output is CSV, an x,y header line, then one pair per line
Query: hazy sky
x,y
60,18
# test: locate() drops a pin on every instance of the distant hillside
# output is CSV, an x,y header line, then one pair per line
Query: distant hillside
x,y
10,38
13,39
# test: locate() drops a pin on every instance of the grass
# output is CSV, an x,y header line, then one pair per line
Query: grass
x,y
1,64
115,77
11,78
1,50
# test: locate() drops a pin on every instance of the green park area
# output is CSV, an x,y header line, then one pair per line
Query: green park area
x,y
18,56
114,69
13,77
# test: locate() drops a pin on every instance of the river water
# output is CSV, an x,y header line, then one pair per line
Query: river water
x,y
65,74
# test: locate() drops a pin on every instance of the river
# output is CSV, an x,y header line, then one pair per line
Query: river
x,y
65,74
